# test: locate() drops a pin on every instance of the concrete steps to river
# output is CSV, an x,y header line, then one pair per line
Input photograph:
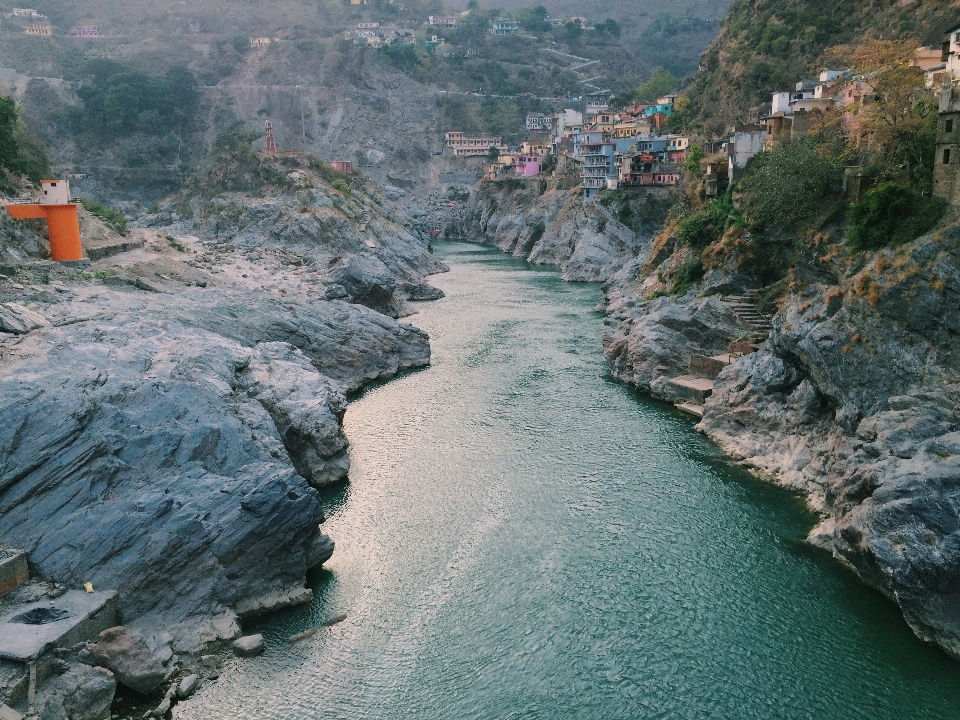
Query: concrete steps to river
x,y
746,311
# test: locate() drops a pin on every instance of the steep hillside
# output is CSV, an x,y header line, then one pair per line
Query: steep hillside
x,y
767,45
668,35
177,74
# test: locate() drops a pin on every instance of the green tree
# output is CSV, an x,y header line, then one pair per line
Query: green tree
x,y
793,184
901,121
892,214
533,19
694,157
9,150
20,153
661,82
609,27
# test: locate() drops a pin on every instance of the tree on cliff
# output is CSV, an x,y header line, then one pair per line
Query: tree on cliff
x,y
20,154
899,120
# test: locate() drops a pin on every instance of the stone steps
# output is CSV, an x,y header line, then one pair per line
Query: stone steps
x,y
690,409
745,310
692,388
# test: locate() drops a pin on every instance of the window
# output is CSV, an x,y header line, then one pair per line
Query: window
x,y
948,125
946,156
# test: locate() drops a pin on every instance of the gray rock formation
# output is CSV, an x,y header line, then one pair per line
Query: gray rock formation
x,y
171,410
19,320
81,693
557,228
852,400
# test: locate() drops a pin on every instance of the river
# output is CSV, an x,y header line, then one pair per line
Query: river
x,y
522,537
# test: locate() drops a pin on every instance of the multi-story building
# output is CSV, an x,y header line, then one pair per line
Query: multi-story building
x,y
39,29
447,21
538,122
527,165
598,169
463,146
946,178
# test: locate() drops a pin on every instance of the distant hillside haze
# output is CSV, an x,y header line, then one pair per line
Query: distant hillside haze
x,y
634,16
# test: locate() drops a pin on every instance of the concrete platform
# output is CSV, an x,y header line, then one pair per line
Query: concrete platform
x,y
89,614
692,388
690,409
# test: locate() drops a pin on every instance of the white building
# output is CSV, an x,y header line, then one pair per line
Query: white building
x,y
952,52
597,106
743,143
539,121
55,192
567,119
447,21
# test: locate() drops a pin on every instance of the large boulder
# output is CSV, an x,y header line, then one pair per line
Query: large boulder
x,y
129,658
81,693
248,645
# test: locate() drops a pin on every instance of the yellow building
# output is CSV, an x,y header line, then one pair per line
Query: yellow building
x,y
39,29
529,148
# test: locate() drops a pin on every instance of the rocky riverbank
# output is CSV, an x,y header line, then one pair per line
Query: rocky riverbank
x,y
171,410
851,400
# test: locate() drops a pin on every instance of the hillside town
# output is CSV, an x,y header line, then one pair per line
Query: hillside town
x,y
612,147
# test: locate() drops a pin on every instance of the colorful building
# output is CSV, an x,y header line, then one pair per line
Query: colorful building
x,y
473,146
527,165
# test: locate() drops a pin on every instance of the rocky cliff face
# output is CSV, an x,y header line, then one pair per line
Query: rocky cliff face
x,y
170,410
853,399
555,227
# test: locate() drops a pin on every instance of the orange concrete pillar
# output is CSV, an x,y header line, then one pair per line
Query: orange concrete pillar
x,y
63,227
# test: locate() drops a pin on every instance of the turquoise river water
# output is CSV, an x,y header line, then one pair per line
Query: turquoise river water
x,y
522,537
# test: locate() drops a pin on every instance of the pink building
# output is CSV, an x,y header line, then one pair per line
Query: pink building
x,y
527,165
86,31
344,166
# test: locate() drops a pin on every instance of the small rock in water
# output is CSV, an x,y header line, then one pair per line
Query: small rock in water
x,y
334,620
303,636
248,645
210,661
187,686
